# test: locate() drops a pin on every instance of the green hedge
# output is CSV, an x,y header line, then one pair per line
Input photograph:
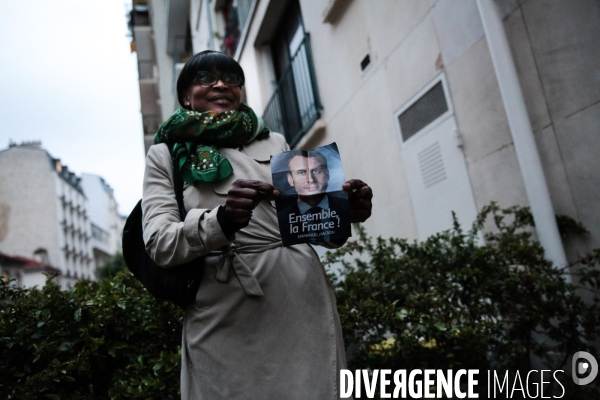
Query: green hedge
x,y
101,340
454,302
448,302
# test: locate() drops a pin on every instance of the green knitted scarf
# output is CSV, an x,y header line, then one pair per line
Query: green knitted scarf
x,y
196,136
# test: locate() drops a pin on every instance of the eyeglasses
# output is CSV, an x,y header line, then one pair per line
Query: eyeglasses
x,y
206,78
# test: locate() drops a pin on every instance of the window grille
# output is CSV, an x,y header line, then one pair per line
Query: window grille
x,y
295,105
432,165
424,111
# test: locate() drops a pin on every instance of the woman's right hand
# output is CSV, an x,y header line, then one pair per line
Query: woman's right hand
x,y
243,197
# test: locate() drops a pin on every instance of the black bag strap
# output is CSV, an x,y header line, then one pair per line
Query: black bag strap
x,y
178,185
178,284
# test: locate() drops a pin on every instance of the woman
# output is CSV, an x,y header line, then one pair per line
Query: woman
x,y
264,324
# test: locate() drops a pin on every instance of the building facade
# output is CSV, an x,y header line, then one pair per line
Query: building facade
x,y
419,97
161,39
106,224
45,214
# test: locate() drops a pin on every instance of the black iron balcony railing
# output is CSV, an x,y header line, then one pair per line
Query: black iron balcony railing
x,y
295,106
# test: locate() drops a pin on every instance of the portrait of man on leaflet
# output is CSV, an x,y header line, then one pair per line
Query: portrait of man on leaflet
x,y
312,207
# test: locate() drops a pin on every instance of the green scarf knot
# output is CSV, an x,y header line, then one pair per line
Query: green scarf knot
x,y
196,136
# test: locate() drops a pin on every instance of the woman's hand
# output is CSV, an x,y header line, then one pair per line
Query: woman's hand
x,y
359,195
243,197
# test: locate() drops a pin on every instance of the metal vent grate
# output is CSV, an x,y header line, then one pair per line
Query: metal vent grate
x,y
432,165
424,111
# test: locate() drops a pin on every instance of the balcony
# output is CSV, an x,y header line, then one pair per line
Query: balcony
x,y
295,105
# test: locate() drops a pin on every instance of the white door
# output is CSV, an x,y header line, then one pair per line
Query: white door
x,y
435,164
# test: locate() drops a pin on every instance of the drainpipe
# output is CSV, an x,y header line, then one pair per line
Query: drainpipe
x,y
522,134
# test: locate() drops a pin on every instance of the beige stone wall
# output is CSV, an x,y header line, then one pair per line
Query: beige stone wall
x,y
554,46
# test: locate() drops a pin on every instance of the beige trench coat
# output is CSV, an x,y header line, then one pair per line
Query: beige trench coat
x,y
263,326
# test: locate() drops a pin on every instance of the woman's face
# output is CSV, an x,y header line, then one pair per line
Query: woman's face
x,y
217,97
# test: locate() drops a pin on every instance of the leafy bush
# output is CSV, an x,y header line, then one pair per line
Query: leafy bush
x,y
449,302
454,302
98,340
112,267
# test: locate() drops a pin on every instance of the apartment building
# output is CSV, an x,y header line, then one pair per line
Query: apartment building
x,y
44,207
49,222
440,105
106,224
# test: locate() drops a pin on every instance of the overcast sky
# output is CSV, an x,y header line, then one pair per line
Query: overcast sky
x,y
68,78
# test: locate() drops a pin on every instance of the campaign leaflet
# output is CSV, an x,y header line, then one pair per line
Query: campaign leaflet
x,y
312,206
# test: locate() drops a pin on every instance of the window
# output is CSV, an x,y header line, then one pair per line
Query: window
x,y
99,234
231,36
243,9
235,14
295,105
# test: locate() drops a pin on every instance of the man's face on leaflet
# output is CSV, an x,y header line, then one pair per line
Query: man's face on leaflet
x,y
308,175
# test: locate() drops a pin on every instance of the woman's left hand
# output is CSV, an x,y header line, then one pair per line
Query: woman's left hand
x,y
359,195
